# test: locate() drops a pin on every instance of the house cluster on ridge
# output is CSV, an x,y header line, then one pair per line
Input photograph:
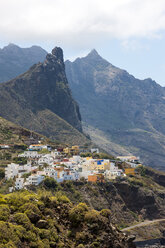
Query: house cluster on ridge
x,y
61,167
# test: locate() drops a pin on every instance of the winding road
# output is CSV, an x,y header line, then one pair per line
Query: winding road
x,y
144,223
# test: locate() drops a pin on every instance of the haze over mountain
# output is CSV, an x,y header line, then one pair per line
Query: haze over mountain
x,y
40,100
120,112
15,60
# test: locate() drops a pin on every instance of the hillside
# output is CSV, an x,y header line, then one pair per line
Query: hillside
x,y
115,106
15,60
130,201
40,100
11,133
18,139
45,220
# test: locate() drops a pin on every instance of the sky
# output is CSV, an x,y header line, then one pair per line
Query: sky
x,y
128,33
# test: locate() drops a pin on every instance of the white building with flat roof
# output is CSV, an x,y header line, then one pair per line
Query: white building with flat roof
x,y
19,183
11,171
34,180
30,154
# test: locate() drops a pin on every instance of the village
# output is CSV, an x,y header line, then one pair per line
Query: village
x,y
64,164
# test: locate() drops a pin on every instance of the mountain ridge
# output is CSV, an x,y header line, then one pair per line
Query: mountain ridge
x,y
130,112
40,100
15,60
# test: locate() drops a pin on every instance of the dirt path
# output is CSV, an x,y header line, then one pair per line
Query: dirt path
x,y
144,223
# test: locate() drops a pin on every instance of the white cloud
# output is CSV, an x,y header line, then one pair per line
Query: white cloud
x,y
80,21
134,44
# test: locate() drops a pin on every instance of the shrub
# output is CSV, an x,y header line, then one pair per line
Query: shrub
x,y
142,171
95,245
22,219
105,212
2,199
20,160
10,244
26,175
77,213
60,245
30,236
80,246
4,212
53,235
32,211
62,198
83,237
17,199
2,173
92,216
30,206
10,233
50,183
44,233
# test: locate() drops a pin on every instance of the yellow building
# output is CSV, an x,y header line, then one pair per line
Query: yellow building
x,y
74,150
93,165
88,158
66,150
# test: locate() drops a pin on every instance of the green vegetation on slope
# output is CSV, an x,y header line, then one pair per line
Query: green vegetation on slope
x,y
17,138
43,220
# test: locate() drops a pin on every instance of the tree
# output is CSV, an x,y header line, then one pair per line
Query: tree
x,y
50,183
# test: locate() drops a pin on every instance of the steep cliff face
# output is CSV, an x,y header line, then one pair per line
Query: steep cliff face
x,y
40,100
126,111
15,60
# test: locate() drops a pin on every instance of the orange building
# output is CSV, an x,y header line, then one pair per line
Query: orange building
x,y
129,171
94,178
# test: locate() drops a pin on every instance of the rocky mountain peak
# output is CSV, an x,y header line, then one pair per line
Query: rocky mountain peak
x,y
95,60
55,57
11,48
58,53
94,53
44,90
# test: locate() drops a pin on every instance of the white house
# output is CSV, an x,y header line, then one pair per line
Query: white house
x,y
45,159
75,175
76,159
55,154
84,174
3,146
19,183
30,154
34,180
11,170
112,174
50,172
95,150
132,159
38,147
27,168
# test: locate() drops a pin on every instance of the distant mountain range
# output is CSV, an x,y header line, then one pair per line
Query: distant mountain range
x,y
15,60
40,100
121,113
